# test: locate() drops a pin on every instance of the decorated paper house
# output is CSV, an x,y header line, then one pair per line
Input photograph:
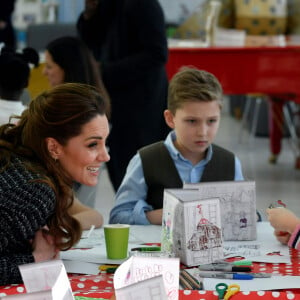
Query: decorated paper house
x,y
197,218
191,227
238,206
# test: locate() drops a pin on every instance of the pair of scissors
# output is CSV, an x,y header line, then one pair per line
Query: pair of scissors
x,y
226,291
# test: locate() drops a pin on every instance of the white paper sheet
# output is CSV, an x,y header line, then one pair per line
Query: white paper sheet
x,y
265,245
81,267
139,234
93,249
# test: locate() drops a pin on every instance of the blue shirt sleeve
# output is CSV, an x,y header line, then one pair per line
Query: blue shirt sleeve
x,y
131,205
238,170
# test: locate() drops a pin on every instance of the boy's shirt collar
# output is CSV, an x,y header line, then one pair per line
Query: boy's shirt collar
x,y
169,142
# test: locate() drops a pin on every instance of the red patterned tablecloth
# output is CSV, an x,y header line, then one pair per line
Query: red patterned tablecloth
x,y
101,286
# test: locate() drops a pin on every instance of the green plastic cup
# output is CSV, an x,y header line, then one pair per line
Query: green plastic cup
x,y
116,240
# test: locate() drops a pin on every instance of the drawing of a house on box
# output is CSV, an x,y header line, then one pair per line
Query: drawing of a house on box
x,y
191,227
205,243
205,237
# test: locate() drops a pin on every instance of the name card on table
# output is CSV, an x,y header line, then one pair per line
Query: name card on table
x,y
156,277
45,280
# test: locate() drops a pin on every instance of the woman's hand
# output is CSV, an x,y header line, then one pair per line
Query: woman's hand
x,y
85,215
44,247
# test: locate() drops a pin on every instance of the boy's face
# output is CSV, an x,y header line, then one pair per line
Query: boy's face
x,y
196,125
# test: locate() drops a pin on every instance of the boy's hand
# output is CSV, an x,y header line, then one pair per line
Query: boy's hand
x,y
283,220
155,216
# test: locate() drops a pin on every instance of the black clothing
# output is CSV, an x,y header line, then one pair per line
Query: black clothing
x,y
128,38
24,207
7,34
160,171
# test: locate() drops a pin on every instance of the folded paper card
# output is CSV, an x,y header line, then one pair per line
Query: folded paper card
x,y
191,227
135,273
151,289
47,276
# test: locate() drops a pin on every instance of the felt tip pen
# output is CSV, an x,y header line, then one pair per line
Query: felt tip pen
x,y
242,262
236,276
224,267
146,249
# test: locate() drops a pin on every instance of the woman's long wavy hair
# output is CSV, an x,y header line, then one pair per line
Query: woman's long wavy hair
x,y
59,113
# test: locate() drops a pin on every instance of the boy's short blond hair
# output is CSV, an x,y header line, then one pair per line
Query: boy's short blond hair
x,y
192,84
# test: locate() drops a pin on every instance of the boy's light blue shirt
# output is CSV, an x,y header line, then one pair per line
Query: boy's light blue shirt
x,y
131,206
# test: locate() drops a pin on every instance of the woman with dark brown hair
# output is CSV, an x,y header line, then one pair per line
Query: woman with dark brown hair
x,y
67,59
60,138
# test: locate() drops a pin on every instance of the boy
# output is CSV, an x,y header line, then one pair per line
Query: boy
x,y
187,155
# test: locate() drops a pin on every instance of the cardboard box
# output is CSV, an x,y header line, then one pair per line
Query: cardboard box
x,y
191,227
229,206
238,207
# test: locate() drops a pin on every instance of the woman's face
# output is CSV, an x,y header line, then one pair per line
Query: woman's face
x,y
53,71
84,154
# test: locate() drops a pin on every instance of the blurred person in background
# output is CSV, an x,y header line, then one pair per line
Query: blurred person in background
x,y
128,38
7,33
14,78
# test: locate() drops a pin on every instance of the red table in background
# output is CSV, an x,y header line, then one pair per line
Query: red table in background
x,y
273,71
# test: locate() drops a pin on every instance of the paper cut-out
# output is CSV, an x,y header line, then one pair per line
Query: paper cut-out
x,y
133,276
191,228
238,206
47,276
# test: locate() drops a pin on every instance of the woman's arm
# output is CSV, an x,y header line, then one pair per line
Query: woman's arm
x,y
86,216
155,216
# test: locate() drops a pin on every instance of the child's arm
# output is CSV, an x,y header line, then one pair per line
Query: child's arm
x,y
131,206
238,169
285,223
